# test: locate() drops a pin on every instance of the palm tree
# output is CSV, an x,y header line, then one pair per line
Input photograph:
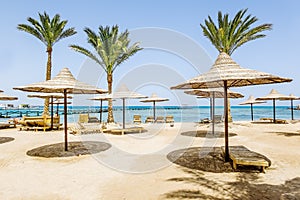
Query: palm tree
x,y
112,49
48,31
231,34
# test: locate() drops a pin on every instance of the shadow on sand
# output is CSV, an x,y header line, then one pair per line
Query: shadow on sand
x,y
6,139
242,188
206,134
75,149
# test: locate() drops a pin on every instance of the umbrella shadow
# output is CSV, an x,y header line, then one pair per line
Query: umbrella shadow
x,y
6,139
207,134
209,159
75,149
287,134
244,187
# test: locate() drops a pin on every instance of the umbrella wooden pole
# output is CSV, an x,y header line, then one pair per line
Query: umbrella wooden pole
x,y
51,128
65,120
274,111
154,109
251,105
57,109
123,113
226,122
213,112
100,111
292,110
210,109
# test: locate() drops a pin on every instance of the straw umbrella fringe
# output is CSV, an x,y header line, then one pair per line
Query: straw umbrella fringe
x,y
64,82
227,73
5,97
250,101
154,98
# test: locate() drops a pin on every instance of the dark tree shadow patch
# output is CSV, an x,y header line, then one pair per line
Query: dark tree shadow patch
x,y
207,134
6,139
287,134
244,187
74,149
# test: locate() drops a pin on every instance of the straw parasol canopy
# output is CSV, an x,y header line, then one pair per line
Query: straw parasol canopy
x,y
101,98
64,82
154,98
250,101
273,95
291,97
5,97
227,73
124,93
216,92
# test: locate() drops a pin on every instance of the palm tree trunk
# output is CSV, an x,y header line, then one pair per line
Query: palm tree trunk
x,y
229,112
48,77
110,117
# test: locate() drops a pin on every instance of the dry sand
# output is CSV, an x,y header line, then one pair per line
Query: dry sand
x,y
136,166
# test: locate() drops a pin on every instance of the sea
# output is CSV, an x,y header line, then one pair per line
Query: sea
x,y
180,113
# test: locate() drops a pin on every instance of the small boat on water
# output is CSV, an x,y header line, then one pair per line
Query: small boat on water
x,y
297,108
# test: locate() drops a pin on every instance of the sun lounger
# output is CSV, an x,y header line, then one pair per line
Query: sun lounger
x,y
121,131
169,119
137,119
160,119
39,123
86,128
149,119
204,121
240,155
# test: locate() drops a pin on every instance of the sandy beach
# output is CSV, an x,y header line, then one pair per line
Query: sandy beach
x,y
136,166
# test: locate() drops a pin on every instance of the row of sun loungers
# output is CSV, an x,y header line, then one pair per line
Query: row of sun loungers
x,y
150,119
39,123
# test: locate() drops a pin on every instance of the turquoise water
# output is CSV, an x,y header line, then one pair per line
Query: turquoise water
x,y
181,114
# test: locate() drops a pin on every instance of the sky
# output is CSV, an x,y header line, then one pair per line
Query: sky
x,y
169,31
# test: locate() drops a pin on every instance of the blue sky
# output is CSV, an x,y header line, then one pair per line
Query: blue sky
x,y
23,57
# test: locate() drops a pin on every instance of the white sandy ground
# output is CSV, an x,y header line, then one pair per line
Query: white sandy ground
x,y
135,167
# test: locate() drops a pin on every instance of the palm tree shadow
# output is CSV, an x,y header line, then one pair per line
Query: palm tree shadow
x,y
243,188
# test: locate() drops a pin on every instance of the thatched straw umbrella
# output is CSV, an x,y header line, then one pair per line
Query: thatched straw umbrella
x,y
250,101
64,82
291,97
154,98
5,97
273,95
124,93
51,96
101,98
226,73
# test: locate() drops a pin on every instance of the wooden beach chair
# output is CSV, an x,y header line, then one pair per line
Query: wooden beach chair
x,y
149,119
169,119
240,155
137,119
160,119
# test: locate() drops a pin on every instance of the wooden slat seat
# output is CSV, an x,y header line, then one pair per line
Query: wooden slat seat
x,y
240,155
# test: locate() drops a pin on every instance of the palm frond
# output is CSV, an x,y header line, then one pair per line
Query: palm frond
x,y
231,34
